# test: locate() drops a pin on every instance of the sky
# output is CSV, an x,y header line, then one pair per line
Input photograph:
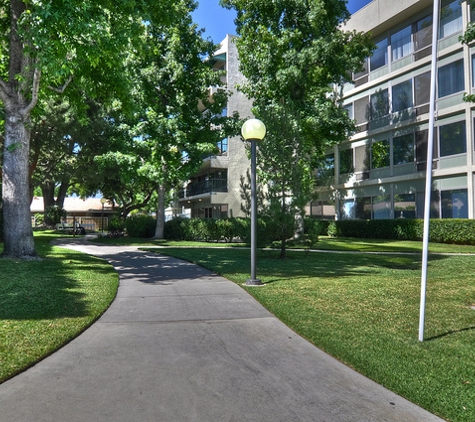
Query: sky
x,y
218,21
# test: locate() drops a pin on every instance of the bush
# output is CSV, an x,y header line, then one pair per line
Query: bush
x,y
460,231
54,214
312,228
140,225
116,224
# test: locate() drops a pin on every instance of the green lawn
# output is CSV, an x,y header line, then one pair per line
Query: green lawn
x,y
363,309
44,304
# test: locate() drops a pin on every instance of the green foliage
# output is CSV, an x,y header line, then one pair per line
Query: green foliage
x,y
457,231
313,228
39,218
116,224
140,225
302,53
54,214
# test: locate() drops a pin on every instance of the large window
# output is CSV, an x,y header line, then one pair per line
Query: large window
x,y
346,161
403,149
380,154
380,55
381,207
361,110
363,208
405,205
452,139
451,79
379,104
326,168
450,18
454,203
401,45
402,96
422,89
423,33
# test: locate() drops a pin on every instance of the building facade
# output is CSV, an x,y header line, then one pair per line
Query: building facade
x,y
215,191
380,172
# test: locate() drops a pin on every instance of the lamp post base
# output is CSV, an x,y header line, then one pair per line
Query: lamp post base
x,y
254,282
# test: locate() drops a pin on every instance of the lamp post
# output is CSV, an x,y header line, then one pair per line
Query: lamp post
x,y
253,130
103,201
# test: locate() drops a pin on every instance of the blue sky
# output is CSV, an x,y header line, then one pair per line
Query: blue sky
x,y
218,22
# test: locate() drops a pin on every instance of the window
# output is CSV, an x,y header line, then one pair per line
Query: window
x,y
452,139
347,210
405,205
380,154
402,96
450,18
379,104
403,149
361,110
349,109
422,89
346,161
364,70
363,208
327,167
454,203
401,43
380,55
223,146
473,70
381,207
451,79
423,33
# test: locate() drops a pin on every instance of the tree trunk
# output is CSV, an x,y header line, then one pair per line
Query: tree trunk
x,y
18,235
160,227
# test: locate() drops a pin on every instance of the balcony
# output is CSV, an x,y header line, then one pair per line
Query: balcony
x,y
204,187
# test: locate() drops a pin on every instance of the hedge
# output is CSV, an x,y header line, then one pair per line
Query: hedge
x,y
459,231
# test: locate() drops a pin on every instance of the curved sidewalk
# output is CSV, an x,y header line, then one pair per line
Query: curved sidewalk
x,y
180,343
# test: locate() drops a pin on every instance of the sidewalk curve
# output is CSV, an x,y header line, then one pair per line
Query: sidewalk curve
x,y
180,343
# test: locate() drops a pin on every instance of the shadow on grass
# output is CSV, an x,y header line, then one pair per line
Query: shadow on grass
x,y
448,333
46,289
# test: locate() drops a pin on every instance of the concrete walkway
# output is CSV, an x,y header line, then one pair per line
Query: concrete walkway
x,y
182,344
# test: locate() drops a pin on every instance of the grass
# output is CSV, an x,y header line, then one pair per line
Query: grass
x,y
44,304
324,243
363,309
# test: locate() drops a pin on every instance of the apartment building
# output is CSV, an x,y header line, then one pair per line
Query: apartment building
x,y
214,192
380,172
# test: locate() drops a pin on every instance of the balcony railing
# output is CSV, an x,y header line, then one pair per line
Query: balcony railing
x,y
205,186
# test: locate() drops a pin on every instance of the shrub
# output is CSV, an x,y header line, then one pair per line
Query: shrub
x,y
140,225
54,214
175,228
312,228
116,224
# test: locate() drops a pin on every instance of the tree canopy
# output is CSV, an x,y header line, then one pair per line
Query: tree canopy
x,y
294,77
101,85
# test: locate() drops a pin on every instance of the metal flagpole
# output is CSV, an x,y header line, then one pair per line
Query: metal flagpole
x,y
430,149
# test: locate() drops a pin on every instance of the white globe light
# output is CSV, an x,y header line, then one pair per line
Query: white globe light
x,y
253,130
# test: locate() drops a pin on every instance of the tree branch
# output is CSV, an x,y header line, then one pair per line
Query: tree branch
x,y
61,89
4,90
34,92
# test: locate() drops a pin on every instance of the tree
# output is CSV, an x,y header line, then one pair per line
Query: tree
x,y
293,79
44,45
181,119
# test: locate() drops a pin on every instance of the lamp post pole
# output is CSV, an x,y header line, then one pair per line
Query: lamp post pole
x,y
253,130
